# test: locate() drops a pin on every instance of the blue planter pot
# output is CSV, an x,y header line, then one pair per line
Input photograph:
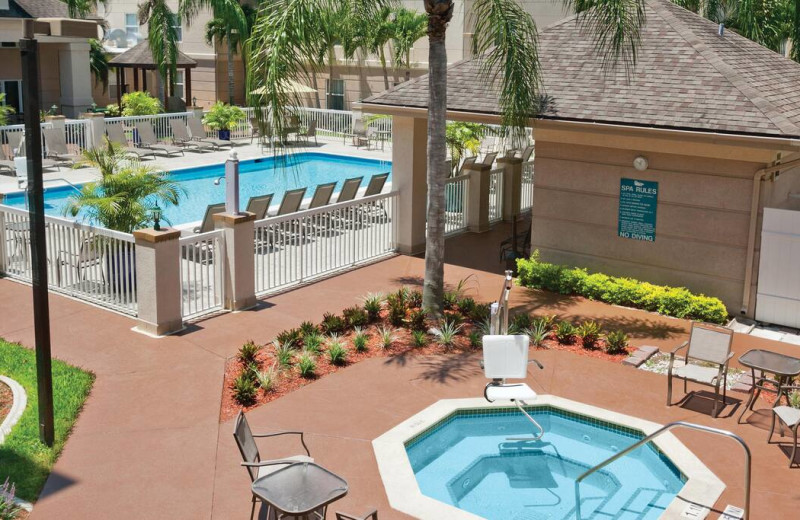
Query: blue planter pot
x,y
225,135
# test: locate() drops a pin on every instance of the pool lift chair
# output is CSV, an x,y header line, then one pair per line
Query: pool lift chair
x,y
506,357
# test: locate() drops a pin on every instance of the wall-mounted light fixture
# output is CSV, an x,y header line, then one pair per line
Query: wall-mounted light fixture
x,y
640,163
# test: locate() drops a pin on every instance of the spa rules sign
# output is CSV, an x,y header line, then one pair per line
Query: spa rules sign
x,y
638,201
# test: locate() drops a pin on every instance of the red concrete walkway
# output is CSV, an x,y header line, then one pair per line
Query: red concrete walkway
x,y
149,445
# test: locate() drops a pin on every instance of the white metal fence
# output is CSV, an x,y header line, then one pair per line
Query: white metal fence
x,y
202,264
496,195
526,196
77,135
92,264
455,204
330,123
160,122
295,248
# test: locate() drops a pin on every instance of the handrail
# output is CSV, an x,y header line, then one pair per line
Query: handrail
x,y
324,209
658,432
498,324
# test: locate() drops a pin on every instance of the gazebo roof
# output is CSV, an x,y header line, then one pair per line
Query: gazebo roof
x,y
139,56
687,77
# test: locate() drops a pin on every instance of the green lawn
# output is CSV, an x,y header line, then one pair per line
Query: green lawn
x,y
23,457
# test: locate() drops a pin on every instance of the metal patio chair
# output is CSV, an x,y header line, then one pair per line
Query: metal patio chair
x,y
208,219
790,417
251,457
56,146
181,137
198,133
372,515
259,205
309,132
116,134
148,139
705,362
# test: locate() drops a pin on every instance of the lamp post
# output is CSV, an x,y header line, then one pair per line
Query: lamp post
x,y
157,218
29,51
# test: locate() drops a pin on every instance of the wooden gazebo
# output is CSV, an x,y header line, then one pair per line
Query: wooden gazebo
x,y
140,59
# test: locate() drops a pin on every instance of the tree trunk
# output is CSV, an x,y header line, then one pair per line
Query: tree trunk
x,y
231,78
315,86
439,13
385,72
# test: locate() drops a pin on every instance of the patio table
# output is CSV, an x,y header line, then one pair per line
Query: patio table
x,y
299,490
785,368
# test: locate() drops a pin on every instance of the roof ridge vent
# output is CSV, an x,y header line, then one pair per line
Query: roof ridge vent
x,y
721,29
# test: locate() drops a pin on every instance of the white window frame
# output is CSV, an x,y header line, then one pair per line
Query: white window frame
x,y
132,30
179,89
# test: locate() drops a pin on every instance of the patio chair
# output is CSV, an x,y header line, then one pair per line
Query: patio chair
x,y
16,144
372,515
349,189
523,243
706,346
198,133
466,163
375,187
526,153
790,417
56,145
181,137
488,159
358,133
208,219
251,457
90,253
291,201
309,132
259,205
116,134
148,139
322,195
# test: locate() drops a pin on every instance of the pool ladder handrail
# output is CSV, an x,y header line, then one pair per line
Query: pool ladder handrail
x,y
648,438
498,323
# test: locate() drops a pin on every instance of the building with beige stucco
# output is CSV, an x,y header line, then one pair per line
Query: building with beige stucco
x,y
709,124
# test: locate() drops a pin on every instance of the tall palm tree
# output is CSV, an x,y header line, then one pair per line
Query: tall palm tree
x,y
218,29
379,32
98,62
409,27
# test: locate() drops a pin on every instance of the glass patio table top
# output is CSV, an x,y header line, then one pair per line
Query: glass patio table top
x,y
772,362
300,488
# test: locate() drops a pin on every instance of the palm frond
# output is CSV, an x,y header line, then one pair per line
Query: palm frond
x,y
161,35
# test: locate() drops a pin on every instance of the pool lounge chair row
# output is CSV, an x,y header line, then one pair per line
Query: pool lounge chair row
x,y
16,142
292,199
193,138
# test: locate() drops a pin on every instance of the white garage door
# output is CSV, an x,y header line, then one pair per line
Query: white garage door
x,y
778,299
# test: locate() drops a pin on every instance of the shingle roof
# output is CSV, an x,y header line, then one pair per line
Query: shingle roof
x,y
140,56
35,9
686,77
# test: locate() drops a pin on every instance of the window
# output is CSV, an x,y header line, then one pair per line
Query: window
x,y
12,88
132,24
176,23
335,97
178,90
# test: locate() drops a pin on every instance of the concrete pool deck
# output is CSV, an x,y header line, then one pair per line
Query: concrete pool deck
x,y
149,443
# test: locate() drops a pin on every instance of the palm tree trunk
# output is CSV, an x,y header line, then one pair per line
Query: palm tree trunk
x,y
385,72
315,86
439,13
231,83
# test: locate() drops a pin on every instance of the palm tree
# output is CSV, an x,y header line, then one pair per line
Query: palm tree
x,y
219,29
126,194
379,32
409,26
98,62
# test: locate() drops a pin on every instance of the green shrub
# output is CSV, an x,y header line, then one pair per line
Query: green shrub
x,y
519,322
589,332
538,332
420,338
333,324
222,116
267,378
140,104
244,390
251,372
475,339
248,352
446,332
307,328
337,352
398,298
449,300
355,316
8,507
480,313
564,332
794,399
397,312
616,342
313,343
360,340
284,353
416,320
307,366
387,336
547,321
466,306
292,336
671,301
415,298
373,302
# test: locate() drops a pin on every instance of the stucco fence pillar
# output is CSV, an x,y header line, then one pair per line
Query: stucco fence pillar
x,y
512,186
478,198
409,179
239,259
158,281
96,130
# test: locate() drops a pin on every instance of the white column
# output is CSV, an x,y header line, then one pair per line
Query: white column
x,y
478,193
409,179
76,78
512,186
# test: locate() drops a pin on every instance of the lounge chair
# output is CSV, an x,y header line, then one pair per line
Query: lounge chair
x,y
16,144
526,153
56,145
309,132
787,416
259,205
376,183
467,162
291,201
251,457
116,134
148,139
181,137
198,133
208,219
711,348
349,189
488,159
322,195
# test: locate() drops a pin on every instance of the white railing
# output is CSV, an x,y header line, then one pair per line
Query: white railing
x,y
160,123
455,204
202,264
7,135
526,196
77,135
309,244
92,264
496,195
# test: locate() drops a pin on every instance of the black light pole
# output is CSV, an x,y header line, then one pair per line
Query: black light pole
x,y
29,48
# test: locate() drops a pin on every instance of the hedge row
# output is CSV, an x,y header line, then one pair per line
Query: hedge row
x,y
671,301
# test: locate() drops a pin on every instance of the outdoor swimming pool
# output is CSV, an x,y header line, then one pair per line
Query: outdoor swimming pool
x,y
467,461
257,177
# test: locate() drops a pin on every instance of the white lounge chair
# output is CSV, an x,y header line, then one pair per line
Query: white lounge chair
x,y
148,139
56,145
116,134
181,137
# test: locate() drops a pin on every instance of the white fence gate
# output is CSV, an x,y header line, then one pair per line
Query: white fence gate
x,y
778,296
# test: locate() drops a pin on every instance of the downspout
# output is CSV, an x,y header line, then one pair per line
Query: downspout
x,y
758,177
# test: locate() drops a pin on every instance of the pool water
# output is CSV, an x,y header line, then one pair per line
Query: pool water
x,y
466,461
257,177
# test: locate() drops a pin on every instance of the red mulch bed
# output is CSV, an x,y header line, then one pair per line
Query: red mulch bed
x,y
6,400
290,379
